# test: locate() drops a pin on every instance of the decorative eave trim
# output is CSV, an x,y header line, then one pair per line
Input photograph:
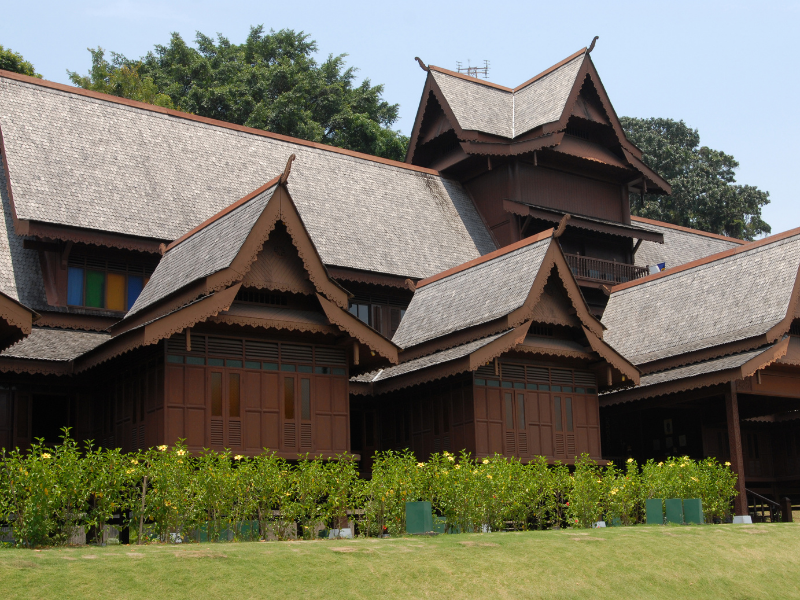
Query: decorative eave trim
x,y
654,177
758,362
17,314
351,325
35,366
67,233
463,364
612,357
159,329
259,323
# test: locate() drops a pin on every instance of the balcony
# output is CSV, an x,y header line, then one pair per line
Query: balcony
x,y
601,271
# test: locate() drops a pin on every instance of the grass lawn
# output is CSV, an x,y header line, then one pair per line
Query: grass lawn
x,y
715,561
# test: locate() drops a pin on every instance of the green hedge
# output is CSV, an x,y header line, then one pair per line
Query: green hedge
x,y
46,492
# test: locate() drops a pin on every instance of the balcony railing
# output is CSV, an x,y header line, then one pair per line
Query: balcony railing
x,y
604,271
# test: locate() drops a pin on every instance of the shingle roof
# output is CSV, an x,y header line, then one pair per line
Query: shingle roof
x,y
478,294
427,361
504,112
204,253
55,344
91,163
735,297
680,245
703,368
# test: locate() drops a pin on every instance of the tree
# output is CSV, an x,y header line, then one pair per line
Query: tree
x,y
704,191
121,78
271,82
13,61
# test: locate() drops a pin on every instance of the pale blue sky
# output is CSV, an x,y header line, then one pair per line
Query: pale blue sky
x,y
726,68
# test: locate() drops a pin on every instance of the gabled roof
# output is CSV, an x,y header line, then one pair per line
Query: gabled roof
x,y
85,164
746,292
681,244
490,119
202,272
16,320
506,112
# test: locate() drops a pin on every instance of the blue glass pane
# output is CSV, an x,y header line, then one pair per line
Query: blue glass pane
x,y
75,286
135,285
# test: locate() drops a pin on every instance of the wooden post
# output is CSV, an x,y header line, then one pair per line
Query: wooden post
x,y
141,515
355,353
786,510
735,439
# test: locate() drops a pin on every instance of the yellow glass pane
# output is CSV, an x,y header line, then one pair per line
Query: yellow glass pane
x,y
115,292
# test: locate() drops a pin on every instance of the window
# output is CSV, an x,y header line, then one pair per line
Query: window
x,y
109,284
382,313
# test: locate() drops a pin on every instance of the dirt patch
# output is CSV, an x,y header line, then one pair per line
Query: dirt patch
x,y
69,558
89,556
755,531
343,549
587,539
134,555
199,554
479,544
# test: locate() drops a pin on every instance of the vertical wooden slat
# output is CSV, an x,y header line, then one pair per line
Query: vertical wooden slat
x,y
735,440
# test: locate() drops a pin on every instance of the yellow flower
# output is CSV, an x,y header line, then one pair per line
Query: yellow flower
x,y
458,466
420,464
488,477
129,471
727,464
134,462
181,452
486,461
162,448
451,458
661,464
238,457
630,460
45,455
475,472
694,478
614,491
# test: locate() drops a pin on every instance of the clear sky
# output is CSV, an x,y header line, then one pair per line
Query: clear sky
x,y
726,68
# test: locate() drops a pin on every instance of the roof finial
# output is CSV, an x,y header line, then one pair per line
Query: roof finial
x,y
591,46
421,64
287,170
562,225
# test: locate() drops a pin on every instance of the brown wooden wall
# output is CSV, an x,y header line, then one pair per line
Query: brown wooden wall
x,y
530,410
134,418
251,394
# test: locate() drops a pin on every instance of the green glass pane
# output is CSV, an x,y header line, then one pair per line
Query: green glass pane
x,y
94,288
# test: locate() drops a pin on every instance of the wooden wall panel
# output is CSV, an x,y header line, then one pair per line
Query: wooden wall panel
x,y
5,419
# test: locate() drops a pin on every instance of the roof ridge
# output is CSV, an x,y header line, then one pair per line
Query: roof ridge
x,y
549,70
208,121
497,86
503,88
228,209
688,230
487,257
709,259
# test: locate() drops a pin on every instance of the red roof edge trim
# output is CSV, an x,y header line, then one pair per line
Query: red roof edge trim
x,y
225,211
708,259
215,122
689,230
550,70
497,86
487,257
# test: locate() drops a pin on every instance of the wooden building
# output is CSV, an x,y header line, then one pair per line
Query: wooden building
x,y
153,287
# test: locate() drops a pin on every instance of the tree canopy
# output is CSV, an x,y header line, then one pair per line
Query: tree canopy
x,y
270,82
705,194
13,61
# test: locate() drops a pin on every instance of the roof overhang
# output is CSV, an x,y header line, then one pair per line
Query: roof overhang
x,y
581,221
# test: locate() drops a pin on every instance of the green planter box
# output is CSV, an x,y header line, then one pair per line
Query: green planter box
x,y
693,511
419,517
654,511
674,510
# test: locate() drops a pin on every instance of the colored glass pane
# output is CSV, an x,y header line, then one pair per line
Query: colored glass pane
x,y
216,394
115,292
288,398
305,397
95,281
75,286
233,394
135,286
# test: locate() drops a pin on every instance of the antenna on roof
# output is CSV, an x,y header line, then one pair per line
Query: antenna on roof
x,y
591,46
474,71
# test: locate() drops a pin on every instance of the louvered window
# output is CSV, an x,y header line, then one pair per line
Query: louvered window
x,y
538,374
561,377
224,346
329,356
485,371
511,371
584,378
261,350
295,353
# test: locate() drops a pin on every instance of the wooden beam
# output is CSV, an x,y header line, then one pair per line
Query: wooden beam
x,y
735,439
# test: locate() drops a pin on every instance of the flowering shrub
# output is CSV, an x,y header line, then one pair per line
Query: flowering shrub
x,y
48,493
